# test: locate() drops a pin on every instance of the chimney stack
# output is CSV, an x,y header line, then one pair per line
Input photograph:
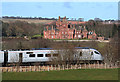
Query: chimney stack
x,y
59,18
52,27
47,28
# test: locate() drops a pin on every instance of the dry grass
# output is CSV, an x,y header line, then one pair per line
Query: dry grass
x,y
28,20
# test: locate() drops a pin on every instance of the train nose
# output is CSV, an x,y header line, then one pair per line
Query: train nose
x,y
101,57
98,57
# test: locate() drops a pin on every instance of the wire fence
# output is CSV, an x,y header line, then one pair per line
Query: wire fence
x,y
56,67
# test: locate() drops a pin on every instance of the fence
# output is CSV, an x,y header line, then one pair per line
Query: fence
x,y
56,67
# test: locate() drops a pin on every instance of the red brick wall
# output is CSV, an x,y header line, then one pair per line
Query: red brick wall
x,y
66,33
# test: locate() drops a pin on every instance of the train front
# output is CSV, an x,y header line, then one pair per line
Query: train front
x,y
97,55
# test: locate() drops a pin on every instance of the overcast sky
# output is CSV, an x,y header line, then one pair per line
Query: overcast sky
x,y
86,10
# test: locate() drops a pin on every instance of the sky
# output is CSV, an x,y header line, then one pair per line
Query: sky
x,y
86,10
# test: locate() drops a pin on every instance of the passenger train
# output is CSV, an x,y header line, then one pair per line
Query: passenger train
x,y
43,55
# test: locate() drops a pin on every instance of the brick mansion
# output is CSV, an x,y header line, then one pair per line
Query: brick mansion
x,y
64,29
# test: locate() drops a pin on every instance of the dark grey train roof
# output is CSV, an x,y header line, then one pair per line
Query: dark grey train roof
x,y
45,49
42,48
52,48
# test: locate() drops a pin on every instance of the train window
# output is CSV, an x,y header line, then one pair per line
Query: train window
x,y
91,53
32,55
80,53
29,52
75,56
96,52
47,55
39,55
55,55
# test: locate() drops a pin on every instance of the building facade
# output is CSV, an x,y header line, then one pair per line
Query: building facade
x,y
63,29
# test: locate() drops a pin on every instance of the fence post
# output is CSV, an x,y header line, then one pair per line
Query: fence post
x,y
63,67
89,66
6,69
43,67
11,69
98,65
48,67
59,66
25,68
94,65
20,69
116,65
51,67
111,66
2,70
76,66
105,65
39,68
34,67
71,66
85,65
67,66
30,68
15,68
55,67
80,66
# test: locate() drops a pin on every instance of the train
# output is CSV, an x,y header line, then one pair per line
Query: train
x,y
43,55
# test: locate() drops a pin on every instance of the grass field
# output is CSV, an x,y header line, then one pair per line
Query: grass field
x,y
81,74
37,21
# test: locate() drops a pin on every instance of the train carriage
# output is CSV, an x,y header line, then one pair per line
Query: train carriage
x,y
45,55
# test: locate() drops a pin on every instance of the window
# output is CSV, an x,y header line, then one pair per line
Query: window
x,y
79,36
80,53
32,55
75,56
55,55
52,36
47,55
96,52
91,53
39,55
29,52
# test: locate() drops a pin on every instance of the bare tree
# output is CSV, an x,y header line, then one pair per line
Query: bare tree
x,y
110,51
66,54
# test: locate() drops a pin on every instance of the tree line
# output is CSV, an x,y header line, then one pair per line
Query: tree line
x,y
18,17
20,28
104,30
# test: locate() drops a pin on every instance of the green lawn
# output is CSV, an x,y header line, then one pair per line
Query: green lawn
x,y
81,74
